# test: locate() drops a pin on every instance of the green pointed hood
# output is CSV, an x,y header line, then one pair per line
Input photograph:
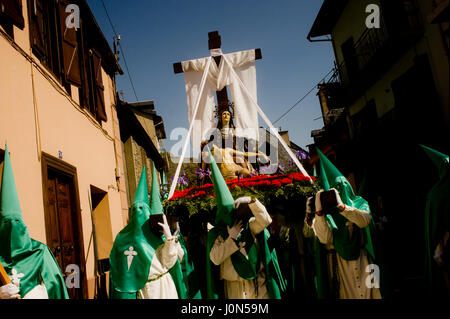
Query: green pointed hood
x,y
334,179
19,252
329,173
141,195
440,160
156,207
9,199
224,200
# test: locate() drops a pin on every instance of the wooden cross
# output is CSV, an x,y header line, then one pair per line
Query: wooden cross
x,y
215,42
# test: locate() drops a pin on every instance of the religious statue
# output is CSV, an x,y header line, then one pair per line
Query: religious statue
x,y
229,151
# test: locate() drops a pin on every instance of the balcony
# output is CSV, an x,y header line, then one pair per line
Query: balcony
x,y
373,54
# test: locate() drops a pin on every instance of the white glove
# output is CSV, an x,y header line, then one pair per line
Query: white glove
x,y
9,291
241,200
318,203
308,215
338,198
166,228
234,231
308,203
177,230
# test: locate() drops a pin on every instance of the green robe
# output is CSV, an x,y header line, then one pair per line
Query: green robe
x,y
190,276
32,260
436,223
29,257
124,282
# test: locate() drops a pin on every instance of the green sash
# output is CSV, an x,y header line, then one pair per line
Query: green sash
x,y
246,268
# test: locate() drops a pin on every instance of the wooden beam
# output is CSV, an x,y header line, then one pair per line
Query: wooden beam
x,y
177,68
214,40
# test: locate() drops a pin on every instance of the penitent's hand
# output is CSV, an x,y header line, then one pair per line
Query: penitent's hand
x,y
9,291
177,230
234,231
166,228
242,200
309,214
318,203
340,204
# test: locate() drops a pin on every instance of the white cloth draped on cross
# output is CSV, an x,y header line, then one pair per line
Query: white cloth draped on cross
x,y
245,117
203,78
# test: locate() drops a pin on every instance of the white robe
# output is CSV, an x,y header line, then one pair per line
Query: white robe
x,y
235,286
160,284
352,273
38,292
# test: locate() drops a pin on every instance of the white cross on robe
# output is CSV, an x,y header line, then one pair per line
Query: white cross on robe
x,y
130,253
15,277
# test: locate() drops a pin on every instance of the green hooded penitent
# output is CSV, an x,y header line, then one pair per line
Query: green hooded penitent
x,y
31,260
156,208
182,273
261,253
436,221
348,247
134,248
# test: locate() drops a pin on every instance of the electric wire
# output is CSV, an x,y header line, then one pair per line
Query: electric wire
x,y
303,97
121,50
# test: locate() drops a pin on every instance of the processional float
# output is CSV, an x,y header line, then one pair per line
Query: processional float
x,y
210,76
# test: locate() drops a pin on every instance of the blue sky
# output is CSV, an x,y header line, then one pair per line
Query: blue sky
x,y
157,33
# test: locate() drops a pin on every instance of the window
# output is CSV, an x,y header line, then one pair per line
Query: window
x,y
44,34
69,53
10,15
92,89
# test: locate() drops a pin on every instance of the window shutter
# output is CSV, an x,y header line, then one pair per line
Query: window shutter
x,y
98,86
36,20
70,48
12,11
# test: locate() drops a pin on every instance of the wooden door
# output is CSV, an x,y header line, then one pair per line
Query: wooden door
x,y
63,237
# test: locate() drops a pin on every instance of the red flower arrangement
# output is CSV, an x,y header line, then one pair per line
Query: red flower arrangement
x,y
255,181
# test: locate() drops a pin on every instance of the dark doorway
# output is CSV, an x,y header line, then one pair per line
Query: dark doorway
x,y
63,219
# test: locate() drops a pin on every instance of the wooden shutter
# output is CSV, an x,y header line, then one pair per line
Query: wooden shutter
x,y
70,47
12,11
98,85
36,19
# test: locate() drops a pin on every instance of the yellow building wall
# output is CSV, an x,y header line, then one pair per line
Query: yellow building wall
x,y
57,124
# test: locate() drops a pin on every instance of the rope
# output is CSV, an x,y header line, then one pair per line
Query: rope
x,y
183,153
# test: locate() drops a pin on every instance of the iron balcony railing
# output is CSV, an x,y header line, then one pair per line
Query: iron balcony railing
x,y
374,51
